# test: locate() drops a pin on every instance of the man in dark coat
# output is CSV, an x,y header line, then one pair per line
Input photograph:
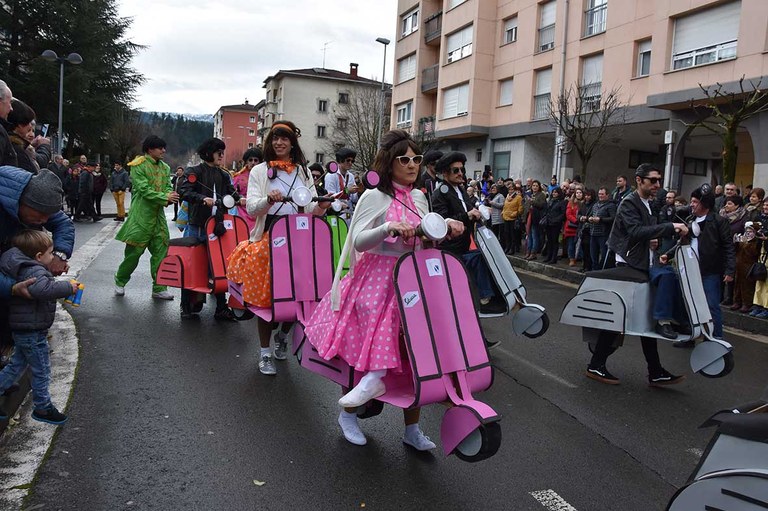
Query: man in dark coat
x,y
7,152
633,236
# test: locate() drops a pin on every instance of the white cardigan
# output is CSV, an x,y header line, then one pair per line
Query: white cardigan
x,y
372,205
257,204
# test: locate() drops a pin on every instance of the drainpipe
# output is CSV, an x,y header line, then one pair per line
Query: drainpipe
x,y
557,163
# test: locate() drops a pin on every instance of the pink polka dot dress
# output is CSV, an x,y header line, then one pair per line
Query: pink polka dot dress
x,y
365,332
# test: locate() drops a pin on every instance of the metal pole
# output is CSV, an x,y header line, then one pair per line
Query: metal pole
x,y
61,107
557,164
381,106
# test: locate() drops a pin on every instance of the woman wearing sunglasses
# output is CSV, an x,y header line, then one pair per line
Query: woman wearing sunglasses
x,y
359,319
251,158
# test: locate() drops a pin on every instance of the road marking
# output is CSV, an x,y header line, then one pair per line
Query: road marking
x,y
696,452
551,500
25,442
539,369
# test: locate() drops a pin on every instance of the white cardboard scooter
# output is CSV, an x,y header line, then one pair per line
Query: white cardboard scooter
x,y
618,302
528,319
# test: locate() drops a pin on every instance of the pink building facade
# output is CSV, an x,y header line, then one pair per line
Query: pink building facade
x,y
237,126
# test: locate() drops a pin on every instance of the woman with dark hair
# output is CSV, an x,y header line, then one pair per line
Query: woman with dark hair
x,y
359,319
554,219
100,184
249,263
495,201
571,228
251,158
584,232
537,205
33,154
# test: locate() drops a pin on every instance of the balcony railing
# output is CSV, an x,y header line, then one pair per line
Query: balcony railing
x,y
429,77
433,27
590,98
541,107
595,20
701,56
546,38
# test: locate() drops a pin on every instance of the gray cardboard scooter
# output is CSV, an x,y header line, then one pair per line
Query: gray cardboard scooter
x,y
528,319
733,471
617,302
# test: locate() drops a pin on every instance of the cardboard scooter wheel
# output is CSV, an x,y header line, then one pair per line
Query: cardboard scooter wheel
x,y
481,444
301,196
242,314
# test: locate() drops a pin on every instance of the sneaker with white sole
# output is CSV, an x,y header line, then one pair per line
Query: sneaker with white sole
x,y
267,366
119,290
162,295
351,429
418,440
281,346
362,393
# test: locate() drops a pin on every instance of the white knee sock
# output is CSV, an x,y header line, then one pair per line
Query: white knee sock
x,y
371,377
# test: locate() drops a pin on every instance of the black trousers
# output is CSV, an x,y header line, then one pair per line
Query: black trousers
x,y
604,349
85,206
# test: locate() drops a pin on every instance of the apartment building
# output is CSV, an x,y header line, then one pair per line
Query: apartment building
x,y
236,125
481,74
314,100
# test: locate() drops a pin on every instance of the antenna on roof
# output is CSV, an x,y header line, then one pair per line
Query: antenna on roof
x,y
325,48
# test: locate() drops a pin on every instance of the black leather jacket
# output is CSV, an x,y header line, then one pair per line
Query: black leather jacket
x,y
208,179
446,203
633,229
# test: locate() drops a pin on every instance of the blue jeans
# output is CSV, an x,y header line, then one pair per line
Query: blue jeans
x,y
30,350
195,231
597,250
571,246
712,290
534,239
479,272
667,296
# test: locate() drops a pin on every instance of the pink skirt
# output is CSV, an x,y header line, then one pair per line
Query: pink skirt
x,y
365,332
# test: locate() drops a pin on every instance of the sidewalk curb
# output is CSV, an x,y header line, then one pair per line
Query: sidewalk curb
x,y
563,273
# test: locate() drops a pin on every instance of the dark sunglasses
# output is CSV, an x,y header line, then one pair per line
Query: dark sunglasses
x,y
405,160
456,170
654,180
349,160
256,160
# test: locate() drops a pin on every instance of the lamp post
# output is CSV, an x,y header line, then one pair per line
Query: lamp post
x,y
72,58
385,42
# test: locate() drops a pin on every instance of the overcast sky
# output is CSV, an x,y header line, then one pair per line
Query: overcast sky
x,y
201,54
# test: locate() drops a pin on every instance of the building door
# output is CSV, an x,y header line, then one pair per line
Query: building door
x,y
501,165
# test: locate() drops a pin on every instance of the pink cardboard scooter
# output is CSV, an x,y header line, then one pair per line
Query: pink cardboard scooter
x,y
447,359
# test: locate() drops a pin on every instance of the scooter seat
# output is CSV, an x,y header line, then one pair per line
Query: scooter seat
x,y
622,273
188,241
749,426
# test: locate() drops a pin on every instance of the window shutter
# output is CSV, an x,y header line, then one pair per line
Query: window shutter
x,y
707,28
544,81
592,70
506,89
548,11
450,102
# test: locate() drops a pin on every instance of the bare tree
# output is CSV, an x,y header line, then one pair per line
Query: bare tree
x,y
723,111
355,125
583,116
125,133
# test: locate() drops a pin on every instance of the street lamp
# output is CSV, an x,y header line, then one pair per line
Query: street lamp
x,y
385,42
72,58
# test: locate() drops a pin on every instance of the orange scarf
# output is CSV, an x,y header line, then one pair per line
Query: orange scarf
x,y
283,165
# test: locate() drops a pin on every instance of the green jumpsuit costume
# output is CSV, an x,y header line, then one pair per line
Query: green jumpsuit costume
x,y
146,226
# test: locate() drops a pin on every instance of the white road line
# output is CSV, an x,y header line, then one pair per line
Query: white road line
x,y
551,500
25,442
695,451
536,368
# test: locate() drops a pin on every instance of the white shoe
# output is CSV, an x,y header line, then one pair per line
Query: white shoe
x,y
281,346
162,295
362,393
351,429
419,441
119,291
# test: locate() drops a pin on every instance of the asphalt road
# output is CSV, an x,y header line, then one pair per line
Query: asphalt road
x,y
175,415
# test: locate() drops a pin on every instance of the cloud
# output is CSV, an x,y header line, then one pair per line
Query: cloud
x,y
202,55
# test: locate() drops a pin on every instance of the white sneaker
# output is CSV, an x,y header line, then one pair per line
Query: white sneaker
x,y
267,366
362,393
162,295
119,291
281,346
351,429
419,441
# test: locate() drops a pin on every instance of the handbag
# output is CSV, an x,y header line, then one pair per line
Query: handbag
x,y
573,225
757,271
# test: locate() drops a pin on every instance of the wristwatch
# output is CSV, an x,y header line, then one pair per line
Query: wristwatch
x,y
61,255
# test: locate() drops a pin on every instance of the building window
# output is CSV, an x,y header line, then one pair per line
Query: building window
x,y
459,44
595,17
706,36
456,101
542,94
454,3
251,133
322,105
695,167
343,98
478,154
591,83
547,13
252,118
643,58
505,92
405,115
321,131
406,68
319,157
638,157
341,123
510,30
410,22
